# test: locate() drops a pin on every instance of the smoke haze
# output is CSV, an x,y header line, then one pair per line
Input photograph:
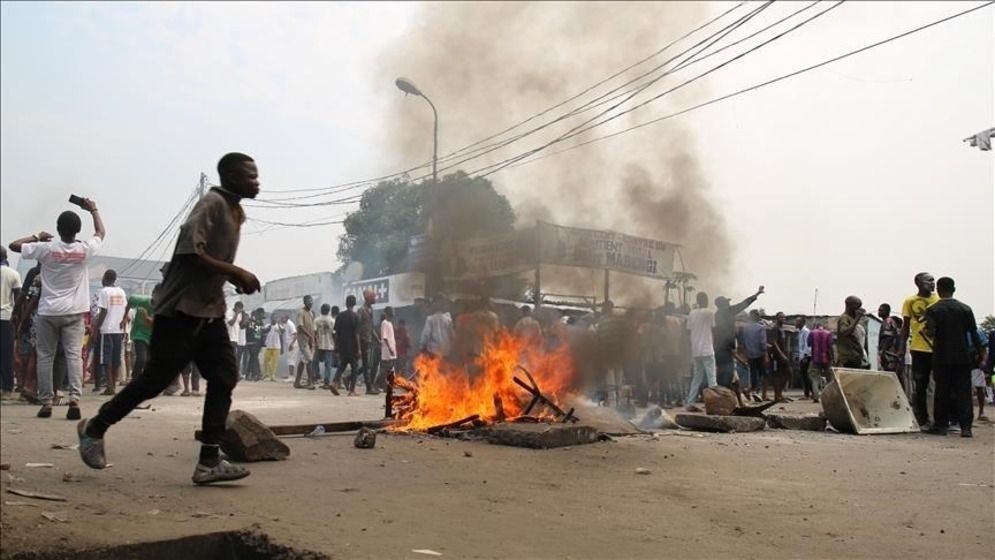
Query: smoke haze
x,y
489,65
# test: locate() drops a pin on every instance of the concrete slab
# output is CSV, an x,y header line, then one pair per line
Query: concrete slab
x,y
805,422
541,436
704,423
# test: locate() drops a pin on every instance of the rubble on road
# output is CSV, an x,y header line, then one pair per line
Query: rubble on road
x,y
705,423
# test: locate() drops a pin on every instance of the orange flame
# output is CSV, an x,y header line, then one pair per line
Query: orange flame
x,y
444,392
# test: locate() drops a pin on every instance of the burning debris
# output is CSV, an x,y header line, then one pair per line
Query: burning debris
x,y
446,396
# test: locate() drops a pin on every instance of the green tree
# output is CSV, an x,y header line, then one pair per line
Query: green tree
x,y
389,214
988,323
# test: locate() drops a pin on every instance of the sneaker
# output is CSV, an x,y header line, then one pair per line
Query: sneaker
x,y
73,413
924,428
936,431
91,450
966,433
222,472
953,428
185,394
45,411
333,390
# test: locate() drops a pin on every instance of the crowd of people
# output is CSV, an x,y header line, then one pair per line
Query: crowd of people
x,y
55,338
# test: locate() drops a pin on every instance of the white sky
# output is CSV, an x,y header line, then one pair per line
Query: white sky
x,y
849,179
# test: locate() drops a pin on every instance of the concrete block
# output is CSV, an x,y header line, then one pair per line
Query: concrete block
x,y
703,423
247,439
797,422
541,436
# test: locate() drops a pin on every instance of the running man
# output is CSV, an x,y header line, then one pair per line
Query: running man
x,y
190,322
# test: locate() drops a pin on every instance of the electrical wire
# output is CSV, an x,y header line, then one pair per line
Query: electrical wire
x,y
765,83
356,184
173,224
586,126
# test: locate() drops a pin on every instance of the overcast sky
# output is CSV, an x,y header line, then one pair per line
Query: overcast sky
x,y
848,179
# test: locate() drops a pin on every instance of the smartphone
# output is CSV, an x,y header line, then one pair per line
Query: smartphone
x,y
77,200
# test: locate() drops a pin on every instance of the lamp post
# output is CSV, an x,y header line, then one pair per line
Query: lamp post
x,y
408,87
433,276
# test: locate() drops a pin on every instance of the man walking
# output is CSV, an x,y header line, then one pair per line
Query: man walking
x,y
236,320
804,355
957,348
779,354
141,331
850,335
701,321
113,305
65,298
190,322
10,288
754,338
324,330
253,344
347,345
305,345
437,334
920,344
367,341
821,342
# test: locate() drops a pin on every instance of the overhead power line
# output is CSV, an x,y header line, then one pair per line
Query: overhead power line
x,y
765,83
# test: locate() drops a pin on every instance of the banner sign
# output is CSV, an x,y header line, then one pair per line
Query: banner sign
x,y
507,253
379,286
609,250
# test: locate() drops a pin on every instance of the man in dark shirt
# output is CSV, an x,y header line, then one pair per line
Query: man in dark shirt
x,y
724,337
190,322
956,349
347,345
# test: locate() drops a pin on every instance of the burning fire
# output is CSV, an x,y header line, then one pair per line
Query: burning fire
x,y
444,392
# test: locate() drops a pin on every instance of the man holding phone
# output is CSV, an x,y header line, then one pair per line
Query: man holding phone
x,y
190,322
65,298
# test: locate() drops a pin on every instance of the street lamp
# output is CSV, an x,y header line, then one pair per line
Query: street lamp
x,y
408,87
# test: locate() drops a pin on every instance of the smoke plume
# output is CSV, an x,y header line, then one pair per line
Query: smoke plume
x,y
489,65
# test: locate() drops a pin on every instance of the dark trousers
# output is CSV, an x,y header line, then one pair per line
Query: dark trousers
x,y
250,361
347,360
952,396
6,356
803,372
176,341
922,367
239,357
757,372
141,358
366,348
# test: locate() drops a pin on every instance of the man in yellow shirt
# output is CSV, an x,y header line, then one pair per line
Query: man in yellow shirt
x,y
920,344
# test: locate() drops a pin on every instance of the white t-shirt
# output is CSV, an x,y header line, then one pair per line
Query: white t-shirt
x,y
10,280
700,323
388,348
273,337
289,332
114,300
235,332
65,286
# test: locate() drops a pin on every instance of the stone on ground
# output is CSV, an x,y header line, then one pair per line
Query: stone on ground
x,y
719,401
541,436
807,422
703,423
365,438
656,418
247,439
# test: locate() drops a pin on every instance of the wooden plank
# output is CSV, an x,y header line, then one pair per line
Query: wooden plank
x,y
330,427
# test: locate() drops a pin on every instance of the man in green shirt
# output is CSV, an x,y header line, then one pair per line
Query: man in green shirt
x,y
141,330
850,335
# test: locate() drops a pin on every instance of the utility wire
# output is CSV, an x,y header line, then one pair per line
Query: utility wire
x,y
356,184
766,83
165,231
584,127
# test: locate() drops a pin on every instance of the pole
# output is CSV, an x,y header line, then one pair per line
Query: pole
x,y
203,185
815,302
607,288
435,141
536,289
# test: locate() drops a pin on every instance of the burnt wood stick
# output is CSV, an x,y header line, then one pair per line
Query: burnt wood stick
x,y
330,427
542,398
456,424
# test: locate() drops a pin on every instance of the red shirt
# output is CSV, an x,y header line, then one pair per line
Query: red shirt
x,y
821,342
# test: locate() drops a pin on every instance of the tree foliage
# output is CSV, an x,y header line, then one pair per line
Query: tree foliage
x,y
988,323
389,214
